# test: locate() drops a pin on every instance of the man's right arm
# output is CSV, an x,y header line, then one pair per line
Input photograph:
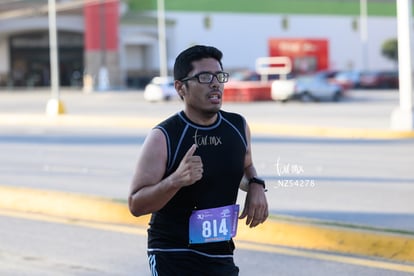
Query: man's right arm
x,y
149,192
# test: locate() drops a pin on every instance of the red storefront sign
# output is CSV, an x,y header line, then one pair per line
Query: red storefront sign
x,y
307,55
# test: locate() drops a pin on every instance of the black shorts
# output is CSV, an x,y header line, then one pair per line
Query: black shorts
x,y
190,263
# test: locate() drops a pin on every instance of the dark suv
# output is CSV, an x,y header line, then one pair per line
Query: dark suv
x,y
379,79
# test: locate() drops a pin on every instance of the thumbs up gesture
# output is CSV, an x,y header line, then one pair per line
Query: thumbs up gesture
x,y
190,169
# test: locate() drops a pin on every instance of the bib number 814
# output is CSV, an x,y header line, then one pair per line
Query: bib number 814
x,y
210,228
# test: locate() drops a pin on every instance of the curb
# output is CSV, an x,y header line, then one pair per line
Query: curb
x,y
302,233
65,120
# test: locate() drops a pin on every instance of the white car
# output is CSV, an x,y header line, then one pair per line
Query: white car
x,y
160,89
317,87
283,90
314,87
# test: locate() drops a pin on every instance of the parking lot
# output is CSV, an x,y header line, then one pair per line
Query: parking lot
x,y
367,109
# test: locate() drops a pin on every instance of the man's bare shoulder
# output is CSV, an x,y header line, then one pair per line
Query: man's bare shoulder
x,y
155,139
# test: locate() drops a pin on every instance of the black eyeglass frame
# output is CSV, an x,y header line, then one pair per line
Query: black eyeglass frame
x,y
197,76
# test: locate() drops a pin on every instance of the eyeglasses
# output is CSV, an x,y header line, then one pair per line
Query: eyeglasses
x,y
207,77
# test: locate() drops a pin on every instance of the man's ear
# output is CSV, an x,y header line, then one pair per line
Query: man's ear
x,y
180,88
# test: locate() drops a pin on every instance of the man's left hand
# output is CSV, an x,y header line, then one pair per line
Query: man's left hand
x,y
255,208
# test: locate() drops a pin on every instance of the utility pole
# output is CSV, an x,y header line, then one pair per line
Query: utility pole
x,y
363,31
54,105
162,43
402,118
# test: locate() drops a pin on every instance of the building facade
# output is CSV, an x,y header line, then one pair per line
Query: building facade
x,y
114,43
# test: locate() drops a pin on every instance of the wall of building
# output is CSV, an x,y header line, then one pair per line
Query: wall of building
x,y
137,46
244,37
4,53
4,61
10,27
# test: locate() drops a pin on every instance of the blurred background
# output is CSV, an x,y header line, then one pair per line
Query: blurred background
x,y
117,44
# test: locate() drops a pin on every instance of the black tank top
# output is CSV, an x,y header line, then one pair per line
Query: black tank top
x,y
222,148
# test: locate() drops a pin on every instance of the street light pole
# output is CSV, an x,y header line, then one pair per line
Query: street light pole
x,y
162,44
54,105
402,117
363,31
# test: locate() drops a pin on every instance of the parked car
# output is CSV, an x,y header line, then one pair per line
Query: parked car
x,y
160,89
249,75
283,90
348,79
379,79
244,75
314,87
317,87
327,74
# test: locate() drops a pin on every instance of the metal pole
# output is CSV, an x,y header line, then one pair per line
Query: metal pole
x,y
404,52
54,69
162,44
363,31
54,105
403,117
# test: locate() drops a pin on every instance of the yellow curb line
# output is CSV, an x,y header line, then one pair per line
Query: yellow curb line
x,y
149,122
68,205
326,256
329,238
331,132
272,232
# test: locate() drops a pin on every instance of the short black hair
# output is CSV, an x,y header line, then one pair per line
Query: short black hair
x,y
183,63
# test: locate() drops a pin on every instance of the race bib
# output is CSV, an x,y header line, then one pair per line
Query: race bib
x,y
213,225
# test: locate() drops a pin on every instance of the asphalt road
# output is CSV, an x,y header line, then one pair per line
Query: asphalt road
x,y
357,181
35,246
354,181
364,181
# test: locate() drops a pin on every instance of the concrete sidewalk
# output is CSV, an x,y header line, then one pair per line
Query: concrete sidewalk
x,y
361,115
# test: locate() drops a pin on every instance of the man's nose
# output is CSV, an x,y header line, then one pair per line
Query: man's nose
x,y
215,82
